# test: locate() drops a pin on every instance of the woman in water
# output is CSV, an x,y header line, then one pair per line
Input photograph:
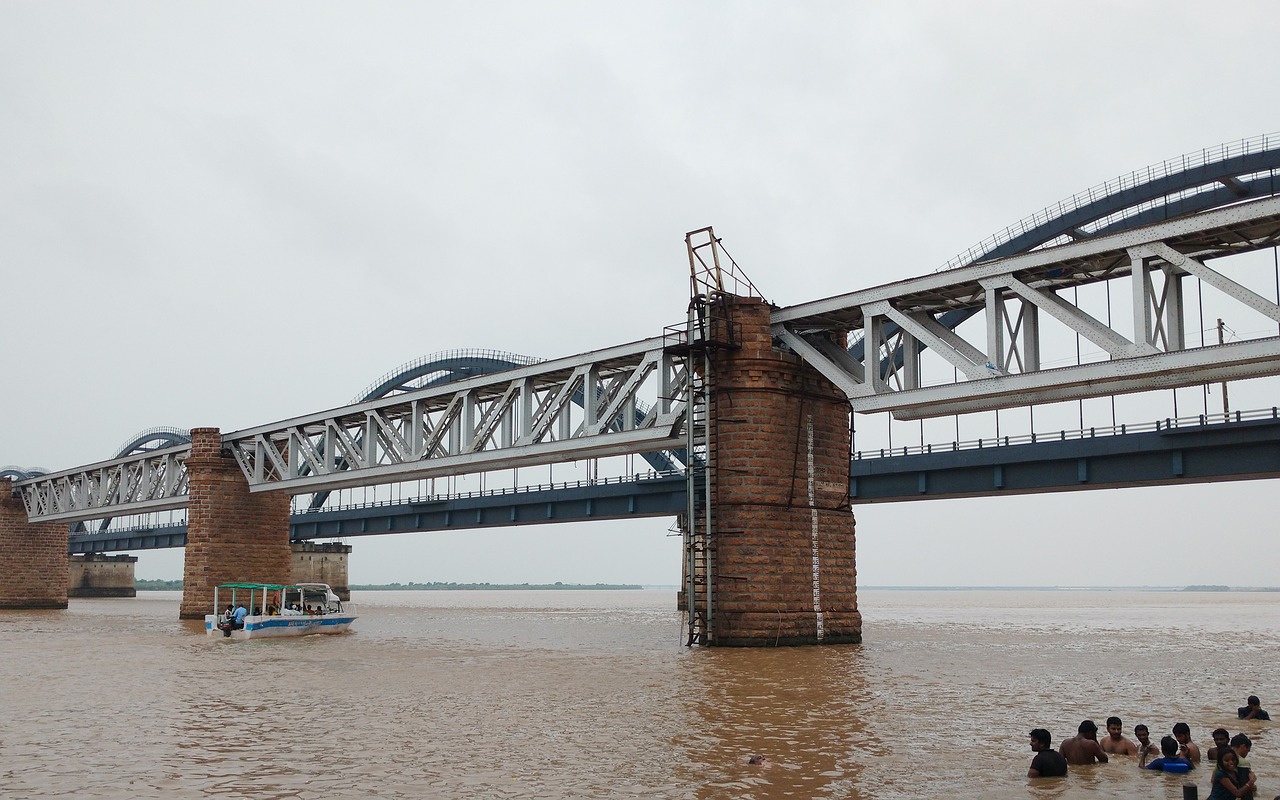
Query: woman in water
x,y
1228,783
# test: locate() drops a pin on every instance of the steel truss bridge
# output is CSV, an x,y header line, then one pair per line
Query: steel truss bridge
x,y
915,354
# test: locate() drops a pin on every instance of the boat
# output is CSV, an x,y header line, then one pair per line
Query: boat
x,y
279,609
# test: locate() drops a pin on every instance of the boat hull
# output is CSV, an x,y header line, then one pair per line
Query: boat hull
x,y
264,627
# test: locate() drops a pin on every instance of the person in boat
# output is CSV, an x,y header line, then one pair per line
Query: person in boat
x,y
1186,748
1047,763
240,613
1083,748
227,621
1115,743
1146,747
1170,761
1221,739
1253,709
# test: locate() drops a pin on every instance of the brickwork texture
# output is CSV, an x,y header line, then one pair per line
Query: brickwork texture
x,y
781,482
232,534
33,557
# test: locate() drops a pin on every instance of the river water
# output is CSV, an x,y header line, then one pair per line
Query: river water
x,y
590,694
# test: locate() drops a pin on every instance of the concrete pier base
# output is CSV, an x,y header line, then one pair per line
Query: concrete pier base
x,y
33,557
232,534
322,562
101,575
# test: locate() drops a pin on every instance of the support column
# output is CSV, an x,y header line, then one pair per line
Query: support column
x,y
232,535
33,557
783,544
322,562
101,575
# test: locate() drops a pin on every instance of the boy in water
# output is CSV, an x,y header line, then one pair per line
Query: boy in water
x,y
1221,739
1171,761
1186,748
1146,747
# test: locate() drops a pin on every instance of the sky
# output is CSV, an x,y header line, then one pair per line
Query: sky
x,y
230,214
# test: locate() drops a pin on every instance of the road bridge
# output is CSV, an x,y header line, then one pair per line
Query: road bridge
x,y
751,402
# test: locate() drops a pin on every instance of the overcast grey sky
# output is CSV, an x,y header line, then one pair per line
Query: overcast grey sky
x,y
225,214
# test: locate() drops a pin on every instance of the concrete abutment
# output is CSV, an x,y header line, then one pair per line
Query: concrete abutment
x,y
101,575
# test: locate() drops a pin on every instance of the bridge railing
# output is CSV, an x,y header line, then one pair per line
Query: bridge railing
x,y
638,477
498,492
1121,429
1188,161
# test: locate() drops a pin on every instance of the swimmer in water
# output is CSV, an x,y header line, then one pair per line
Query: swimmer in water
x,y
1083,748
1115,743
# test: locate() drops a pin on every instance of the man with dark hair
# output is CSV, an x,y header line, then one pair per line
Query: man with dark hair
x,y
1170,761
1115,742
1083,748
1253,710
1047,763
1146,747
1221,739
1186,748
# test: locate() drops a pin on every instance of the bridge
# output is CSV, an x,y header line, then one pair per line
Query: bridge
x,y
743,409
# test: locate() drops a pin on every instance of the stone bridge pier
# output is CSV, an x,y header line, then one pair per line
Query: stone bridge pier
x,y
232,534
782,568
33,557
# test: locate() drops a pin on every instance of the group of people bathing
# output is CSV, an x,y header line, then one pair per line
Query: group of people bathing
x,y
1232,775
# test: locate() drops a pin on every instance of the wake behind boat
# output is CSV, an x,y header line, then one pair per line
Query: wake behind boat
x,y
257,610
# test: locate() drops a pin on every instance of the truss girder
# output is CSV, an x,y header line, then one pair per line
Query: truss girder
x,y
1004,369
155,480
520,417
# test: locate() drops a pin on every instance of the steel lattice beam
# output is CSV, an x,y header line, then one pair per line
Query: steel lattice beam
x,y
137,484
1003,371
516,418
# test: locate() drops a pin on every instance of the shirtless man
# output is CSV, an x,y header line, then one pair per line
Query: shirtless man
x,y
1083,748
1221,739
1186,748
1115,742
1146,747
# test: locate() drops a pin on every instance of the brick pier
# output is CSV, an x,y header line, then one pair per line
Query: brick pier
x,y
33,557
232,535
783,547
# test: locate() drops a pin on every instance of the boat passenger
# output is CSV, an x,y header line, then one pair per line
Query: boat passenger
x,y
228,621
240,613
